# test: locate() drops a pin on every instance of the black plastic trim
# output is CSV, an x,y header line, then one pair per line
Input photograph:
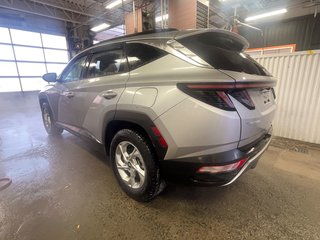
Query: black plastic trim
x,y
108,118
186,168
141,120
42,97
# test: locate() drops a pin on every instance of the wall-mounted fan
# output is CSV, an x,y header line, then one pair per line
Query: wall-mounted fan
x,y
234,23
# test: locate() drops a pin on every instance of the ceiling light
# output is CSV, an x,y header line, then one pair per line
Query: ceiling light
x,y
114,4
268,14
164,17
100,27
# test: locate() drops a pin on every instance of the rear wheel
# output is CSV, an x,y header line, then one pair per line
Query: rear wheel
x,y
135,165
48,121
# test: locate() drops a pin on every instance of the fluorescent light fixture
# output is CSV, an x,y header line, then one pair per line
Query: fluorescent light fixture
x,y
159,18
100,27
114,4
268,14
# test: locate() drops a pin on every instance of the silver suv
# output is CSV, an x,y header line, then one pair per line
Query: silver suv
x,y
169,104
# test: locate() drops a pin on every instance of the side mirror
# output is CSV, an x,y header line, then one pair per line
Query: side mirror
x,y
50,77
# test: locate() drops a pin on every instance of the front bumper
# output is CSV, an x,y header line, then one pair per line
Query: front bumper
x,y
186,169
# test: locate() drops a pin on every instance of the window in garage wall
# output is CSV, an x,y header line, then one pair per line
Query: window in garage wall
x,y
25,56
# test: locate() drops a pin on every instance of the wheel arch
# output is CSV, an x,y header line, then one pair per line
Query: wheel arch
x,y
42,99
137,121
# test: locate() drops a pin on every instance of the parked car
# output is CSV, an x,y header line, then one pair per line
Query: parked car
x,y
184,104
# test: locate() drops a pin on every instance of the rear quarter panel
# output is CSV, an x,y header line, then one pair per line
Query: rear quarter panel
x,y
163,75
189,126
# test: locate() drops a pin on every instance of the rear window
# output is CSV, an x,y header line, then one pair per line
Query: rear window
x,y
222,52
140,54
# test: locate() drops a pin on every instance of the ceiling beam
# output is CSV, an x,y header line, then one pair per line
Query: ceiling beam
x,y
65,8
41,10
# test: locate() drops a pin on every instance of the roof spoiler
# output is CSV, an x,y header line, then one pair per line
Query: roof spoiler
x,y
234,36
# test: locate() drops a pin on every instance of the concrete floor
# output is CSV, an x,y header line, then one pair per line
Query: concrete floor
x,y
64,189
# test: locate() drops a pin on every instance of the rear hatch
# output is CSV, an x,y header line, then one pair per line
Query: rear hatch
x,y
252,93
255,104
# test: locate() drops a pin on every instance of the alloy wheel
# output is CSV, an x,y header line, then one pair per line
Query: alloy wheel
x,y
130,164
46,118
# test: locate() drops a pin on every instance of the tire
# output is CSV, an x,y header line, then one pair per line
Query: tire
x,y
48,121
143,159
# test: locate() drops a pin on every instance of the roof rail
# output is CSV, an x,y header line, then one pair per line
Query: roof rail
x,y
139,34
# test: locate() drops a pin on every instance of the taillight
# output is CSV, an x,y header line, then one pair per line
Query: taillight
x,y
217,94
158,134
213,96
243,97
223,168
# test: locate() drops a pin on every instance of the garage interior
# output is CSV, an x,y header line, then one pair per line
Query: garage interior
x,y
64,187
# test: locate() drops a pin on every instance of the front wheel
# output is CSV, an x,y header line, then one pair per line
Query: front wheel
x,y
48,121
135,165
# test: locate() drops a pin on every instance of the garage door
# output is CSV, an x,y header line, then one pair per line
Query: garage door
x,y
25,56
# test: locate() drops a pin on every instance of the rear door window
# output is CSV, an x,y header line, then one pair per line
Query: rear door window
x,y
222,52
106,63
139,54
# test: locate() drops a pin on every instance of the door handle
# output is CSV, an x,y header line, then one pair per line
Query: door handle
x,y
109,94
69,94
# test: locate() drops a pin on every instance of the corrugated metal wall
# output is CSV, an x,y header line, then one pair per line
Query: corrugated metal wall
x,y
303,31
298,94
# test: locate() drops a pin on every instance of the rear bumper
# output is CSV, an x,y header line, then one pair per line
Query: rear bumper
x,y
186,169
252,161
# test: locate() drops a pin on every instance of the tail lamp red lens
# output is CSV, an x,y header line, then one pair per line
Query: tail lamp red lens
x,y
214,95
223,168
225,98
158,134
243,96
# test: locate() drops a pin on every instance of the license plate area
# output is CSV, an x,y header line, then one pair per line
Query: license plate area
x,y
266,95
